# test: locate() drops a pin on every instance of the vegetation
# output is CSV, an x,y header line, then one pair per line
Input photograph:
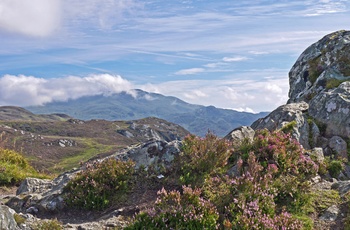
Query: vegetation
x,y
178,211
334,83
48,225
14,168
269,189
335,167
315,68
99,183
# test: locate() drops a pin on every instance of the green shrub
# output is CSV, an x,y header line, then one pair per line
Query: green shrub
x,y
288,128
48,225
19,219
335,167
99,183
174,210
201,157
14,168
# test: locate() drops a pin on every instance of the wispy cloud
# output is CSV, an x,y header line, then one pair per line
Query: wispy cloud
x,y
234,59
190,71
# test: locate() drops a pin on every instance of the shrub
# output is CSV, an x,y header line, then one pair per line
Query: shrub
x,y
48,225
253,205
174,210
14,168
335,167
288,128
99,183
201,157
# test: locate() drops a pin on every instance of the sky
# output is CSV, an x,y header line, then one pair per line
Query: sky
x,y
233,54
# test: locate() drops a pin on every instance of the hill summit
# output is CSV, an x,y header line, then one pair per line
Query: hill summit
x,y
197,119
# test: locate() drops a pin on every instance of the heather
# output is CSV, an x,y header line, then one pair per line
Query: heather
x,y
260,184
99,184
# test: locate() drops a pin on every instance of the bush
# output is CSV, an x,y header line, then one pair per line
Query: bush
x,y
201,157
335,167
269,189
14,168
99,183
174,210
48,225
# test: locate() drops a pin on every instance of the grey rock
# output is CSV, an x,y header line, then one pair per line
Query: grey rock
x,y
317,153
330,214
342,186
283,116
333,109
155,153
339,146
40,195
324,60
34,185
239,134
7,220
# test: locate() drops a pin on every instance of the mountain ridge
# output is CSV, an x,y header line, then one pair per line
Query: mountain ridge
x,y
197,119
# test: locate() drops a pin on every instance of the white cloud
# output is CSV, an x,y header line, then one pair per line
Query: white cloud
x,y
234,59
194,94
243,90
38,18
28,90
190,71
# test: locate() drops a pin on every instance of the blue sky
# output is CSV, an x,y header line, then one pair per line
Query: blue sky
x,y
230,54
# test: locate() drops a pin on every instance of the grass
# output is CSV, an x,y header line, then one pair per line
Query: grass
x,y
334,83
91,150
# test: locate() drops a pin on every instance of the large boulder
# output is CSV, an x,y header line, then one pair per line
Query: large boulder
x,y
320,67
291,116
156,153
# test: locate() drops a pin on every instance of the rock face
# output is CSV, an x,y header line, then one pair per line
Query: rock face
x,y
318,110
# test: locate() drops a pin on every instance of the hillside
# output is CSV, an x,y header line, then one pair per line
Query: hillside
x,y
56,143
195,118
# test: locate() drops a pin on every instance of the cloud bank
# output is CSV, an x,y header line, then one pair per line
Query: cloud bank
x,y
242,95
28,90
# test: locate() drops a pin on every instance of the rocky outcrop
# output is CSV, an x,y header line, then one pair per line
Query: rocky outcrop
x,y
318,110
320,66
156,153
291,116
332,108
239,134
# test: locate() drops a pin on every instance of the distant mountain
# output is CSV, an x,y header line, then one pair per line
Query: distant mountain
x,y
195,118
12,113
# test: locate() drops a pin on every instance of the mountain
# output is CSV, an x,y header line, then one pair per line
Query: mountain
x,y
12,113
123,106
